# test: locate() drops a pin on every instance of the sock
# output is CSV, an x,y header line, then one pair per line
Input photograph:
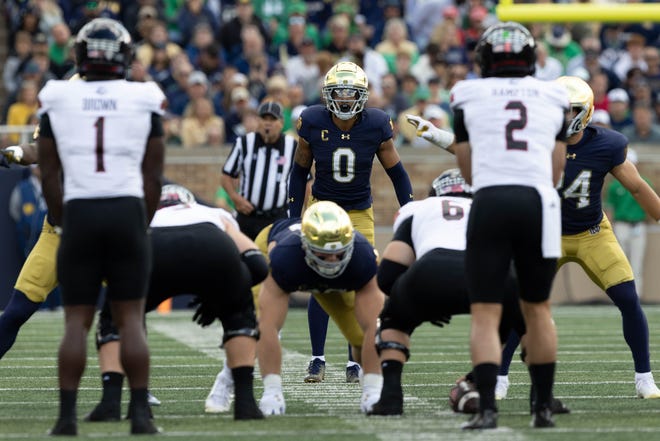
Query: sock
x,y
507,353
485,375
17,312
543,377
112,385
392,370
317,321
635,327
139,397
68,404
243,381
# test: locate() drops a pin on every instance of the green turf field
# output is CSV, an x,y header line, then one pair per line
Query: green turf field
x,y
595,378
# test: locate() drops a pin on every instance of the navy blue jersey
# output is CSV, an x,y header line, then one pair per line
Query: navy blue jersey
x,y
587,164
288,267
344,159
283,227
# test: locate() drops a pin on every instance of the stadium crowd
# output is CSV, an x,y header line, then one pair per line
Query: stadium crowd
x,y
216,60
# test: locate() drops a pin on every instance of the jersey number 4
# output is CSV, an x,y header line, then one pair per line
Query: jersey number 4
x,y
100,122
579,189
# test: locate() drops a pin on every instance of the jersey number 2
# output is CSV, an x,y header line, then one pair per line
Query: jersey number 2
x,y
516,124
100,167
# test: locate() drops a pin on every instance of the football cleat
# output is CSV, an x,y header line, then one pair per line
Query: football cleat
x,y
484,420
542,419
353,373
64,427
222,393
105,411
502,387
272,402
152,400
370,396
646,388
315,371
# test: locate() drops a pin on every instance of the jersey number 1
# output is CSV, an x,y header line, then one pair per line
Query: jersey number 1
x,y
99,144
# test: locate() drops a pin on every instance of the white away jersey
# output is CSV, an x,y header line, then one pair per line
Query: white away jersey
x,y
101,130
179,215
512,124
437,222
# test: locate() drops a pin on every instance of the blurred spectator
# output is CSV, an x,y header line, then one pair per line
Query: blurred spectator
x,y
652,73
60,50
599,85
210,60
395,41
303,69
253,46
336,36
388,9
17,60
560,45
547,67
277,89
420,103
295,114
231,33
423,69
198,87
601,118
25,107
632,57
393,101
50,14
156,37
202,128
139,11
138,72
161,69
644,130
478,20
641,94
372,62
619,109
202,36
319,12
591,61
289,37
191,14
423,16
241,102
177,94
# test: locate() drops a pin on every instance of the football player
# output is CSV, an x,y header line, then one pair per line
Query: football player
x,y
112,171
196,249
587,235
510,146
322,254
426,255
341,139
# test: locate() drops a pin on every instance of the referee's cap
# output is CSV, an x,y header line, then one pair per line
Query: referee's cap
x,y
272,108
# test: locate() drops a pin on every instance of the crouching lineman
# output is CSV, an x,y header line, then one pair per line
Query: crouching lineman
x,y
426,255
324,255
197,250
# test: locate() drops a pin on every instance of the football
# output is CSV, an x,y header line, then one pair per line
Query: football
x,y
464,398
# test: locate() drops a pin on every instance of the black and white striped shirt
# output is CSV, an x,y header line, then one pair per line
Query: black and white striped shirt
x,y
264,169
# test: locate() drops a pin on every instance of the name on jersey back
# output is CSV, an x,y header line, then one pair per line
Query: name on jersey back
x,y
96,104
514,92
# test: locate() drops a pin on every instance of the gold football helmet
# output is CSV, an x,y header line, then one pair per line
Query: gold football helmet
x,y
345,89
327,238
582,102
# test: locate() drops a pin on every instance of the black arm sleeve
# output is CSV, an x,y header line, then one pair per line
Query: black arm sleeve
x,y
460,132
388,273
156,126
45,129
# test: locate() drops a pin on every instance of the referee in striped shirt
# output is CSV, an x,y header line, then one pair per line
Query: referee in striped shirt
x,y
263,161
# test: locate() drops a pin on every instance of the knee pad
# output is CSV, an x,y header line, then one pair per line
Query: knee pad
x,y
242,324
106,331
382,345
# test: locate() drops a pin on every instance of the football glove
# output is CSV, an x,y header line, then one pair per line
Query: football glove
x,y
204,315
426,130
442,321
13,153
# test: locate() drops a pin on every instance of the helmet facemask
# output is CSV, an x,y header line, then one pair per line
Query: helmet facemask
x,y
345,102
317,259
